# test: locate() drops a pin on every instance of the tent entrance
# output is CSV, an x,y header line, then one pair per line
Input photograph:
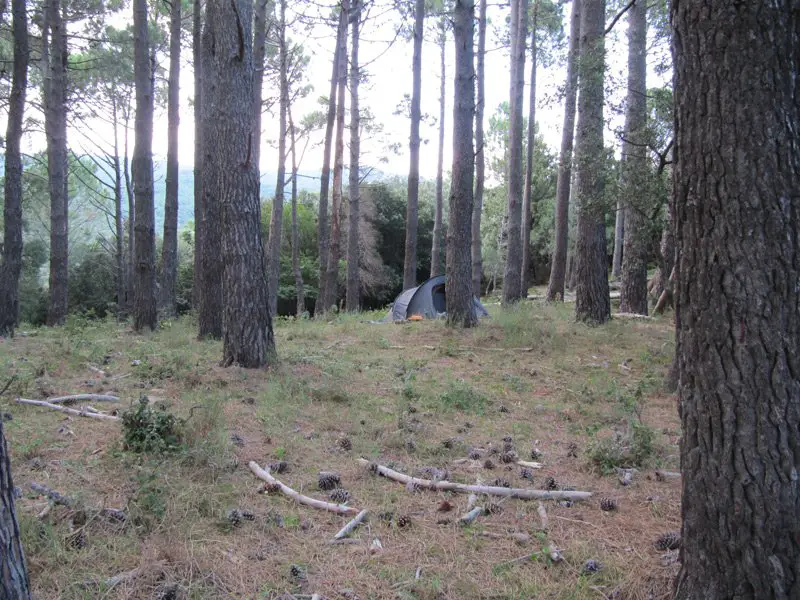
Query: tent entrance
x,y
439,298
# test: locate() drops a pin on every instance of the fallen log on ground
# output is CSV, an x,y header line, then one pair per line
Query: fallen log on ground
x,y
348,529
69,411
83,397
523,494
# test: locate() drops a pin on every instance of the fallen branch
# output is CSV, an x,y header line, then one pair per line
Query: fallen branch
x,y
114,581
70,411
52,495
628,315
515,535
523,494
83,397
348,529
97,370
471,515
530,465
664,475
298,497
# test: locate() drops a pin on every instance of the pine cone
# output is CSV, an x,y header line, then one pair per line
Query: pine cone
x,y
340,495
493,508
279,467
608,504
499,482
474,454
271,488
404,521
535,454
386,516
550,484
345,443
328,480
234,517
504,409
509,457
508,439
411,445
670,540
449,443
526,473
488,464
77,540
508,446
592,566
565,503
247,515
297,572
572,450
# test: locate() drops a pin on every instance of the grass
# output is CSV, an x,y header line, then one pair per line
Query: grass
x,y
588,399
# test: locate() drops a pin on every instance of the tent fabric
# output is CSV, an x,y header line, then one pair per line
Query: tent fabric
x,y
427,300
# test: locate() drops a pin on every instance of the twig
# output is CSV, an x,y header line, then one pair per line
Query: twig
x,y
530,465
298,497
618,17
542,516
515,535
348,529
471,515
71,411
82,397
523,494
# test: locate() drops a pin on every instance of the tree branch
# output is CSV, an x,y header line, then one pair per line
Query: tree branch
x,y
618,17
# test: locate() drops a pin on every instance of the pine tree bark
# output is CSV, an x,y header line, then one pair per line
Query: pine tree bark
x,y
528,212
210,314
11,265
352,297
633,289
248,338
144,309
169,249
592,301
436,246
737,201
55,124
514,177
276,220
14,582
332,272
199,207
476,249
323,231
412,209
299,290
460,307
558,268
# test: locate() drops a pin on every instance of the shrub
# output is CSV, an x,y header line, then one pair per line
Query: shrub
x,y
461,396
147,429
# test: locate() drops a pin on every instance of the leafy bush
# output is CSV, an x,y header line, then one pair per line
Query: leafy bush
x,y
461,396
146,429
635,448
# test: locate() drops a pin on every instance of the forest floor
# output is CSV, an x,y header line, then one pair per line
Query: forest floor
x,y
411,395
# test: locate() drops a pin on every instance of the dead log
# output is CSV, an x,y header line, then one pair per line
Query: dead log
x,y
523,494
83,397
64,409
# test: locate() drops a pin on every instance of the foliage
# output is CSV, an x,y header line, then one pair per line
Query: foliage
x,y
147,429
459,395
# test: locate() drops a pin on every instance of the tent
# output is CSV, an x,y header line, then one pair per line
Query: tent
x,y
427,300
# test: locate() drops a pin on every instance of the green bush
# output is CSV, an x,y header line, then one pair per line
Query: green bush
x,y
635,448
146,429
461,396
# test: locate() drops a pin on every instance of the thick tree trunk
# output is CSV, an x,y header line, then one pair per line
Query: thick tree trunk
x,y
259,54
11,265
332,272
514,177
528,212
633,291
558,268
353,259
476,250
619,235
122,270
412,212
737,202
436,246
276,220
199,207
14,583
55,124
299,290
248,339
460,308
323,231
210,313
145,315
592,301
169,250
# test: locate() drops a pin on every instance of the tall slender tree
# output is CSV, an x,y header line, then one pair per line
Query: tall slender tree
x,y
353,259
300,295
323,231
558,268
197,65
476,249
460,307
436,245
276,219
513,267
169,249
619,239
633,291
736,186
14,582
145,315
527,209
248,338
54,57
11,265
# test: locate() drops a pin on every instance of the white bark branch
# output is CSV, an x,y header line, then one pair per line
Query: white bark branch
x,y
348,529
70,411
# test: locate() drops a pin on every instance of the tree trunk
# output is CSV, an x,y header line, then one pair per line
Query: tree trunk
x,y
436,246
122,284
353,261
460,307
55,124
514,178
323,231
619,233
476,249
558,268
592,302
737,206
412,212
210,313
126,171
633,291
144,310
276,220
169,250
14,583
298,274
528,212
332,272
248,339
11,265
259,53
199,207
